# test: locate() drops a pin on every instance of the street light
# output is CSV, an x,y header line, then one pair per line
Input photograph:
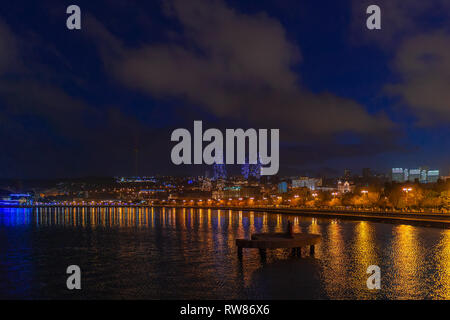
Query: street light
x,y
407,191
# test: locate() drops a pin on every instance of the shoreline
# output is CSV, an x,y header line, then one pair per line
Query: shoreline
x,y
434,220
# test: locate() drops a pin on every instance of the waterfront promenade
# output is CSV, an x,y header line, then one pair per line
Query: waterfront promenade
x,y
437,220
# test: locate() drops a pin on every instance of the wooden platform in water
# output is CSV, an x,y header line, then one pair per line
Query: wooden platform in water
x,y
263,241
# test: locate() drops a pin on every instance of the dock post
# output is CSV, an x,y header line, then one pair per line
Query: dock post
x,y
311,250
240,253
262,253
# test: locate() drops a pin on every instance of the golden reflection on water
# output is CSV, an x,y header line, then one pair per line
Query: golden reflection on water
x,y
364,255
410,259
252,222
265,224
314,226
443,266
335,274
278,227
209,218
406,257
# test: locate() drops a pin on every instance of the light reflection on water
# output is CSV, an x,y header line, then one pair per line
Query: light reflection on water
x,y
152,253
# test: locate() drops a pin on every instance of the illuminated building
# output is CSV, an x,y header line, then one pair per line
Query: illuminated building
x,y
206,185
237,192
282,187
245,170
151,194
345,187
398,175
305,182
11,199
423,175
255,169
135,179
251,170
413,175
219,169
432,176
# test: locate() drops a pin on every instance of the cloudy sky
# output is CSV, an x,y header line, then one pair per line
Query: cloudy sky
x,y
78,103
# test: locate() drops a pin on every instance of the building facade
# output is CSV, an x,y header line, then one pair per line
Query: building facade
x,y
305,182
422,175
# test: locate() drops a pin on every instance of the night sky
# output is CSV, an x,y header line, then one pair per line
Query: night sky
x,y
79,103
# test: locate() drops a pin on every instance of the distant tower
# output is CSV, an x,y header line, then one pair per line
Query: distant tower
x,y
255,169
251,170
136,154
245,170
366,173
136,162
220,171
347,174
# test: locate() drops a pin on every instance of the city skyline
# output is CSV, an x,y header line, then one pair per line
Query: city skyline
x,y
246,170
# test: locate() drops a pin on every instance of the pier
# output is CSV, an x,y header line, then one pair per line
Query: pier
x,y
279,240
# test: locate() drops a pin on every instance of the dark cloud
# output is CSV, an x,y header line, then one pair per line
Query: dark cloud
x,y
237,66
423,64
399,20
8,49
44,132
47,132
234,68
417,35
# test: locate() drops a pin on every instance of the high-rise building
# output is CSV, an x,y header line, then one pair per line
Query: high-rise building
x,y
255,170
282,187
220,171
219,168
413,175
347,174
405,175
398,175
366,173
305,182
432,176
251,170
423,175
245,170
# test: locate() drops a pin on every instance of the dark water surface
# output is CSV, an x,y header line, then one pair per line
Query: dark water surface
x,y
190,254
